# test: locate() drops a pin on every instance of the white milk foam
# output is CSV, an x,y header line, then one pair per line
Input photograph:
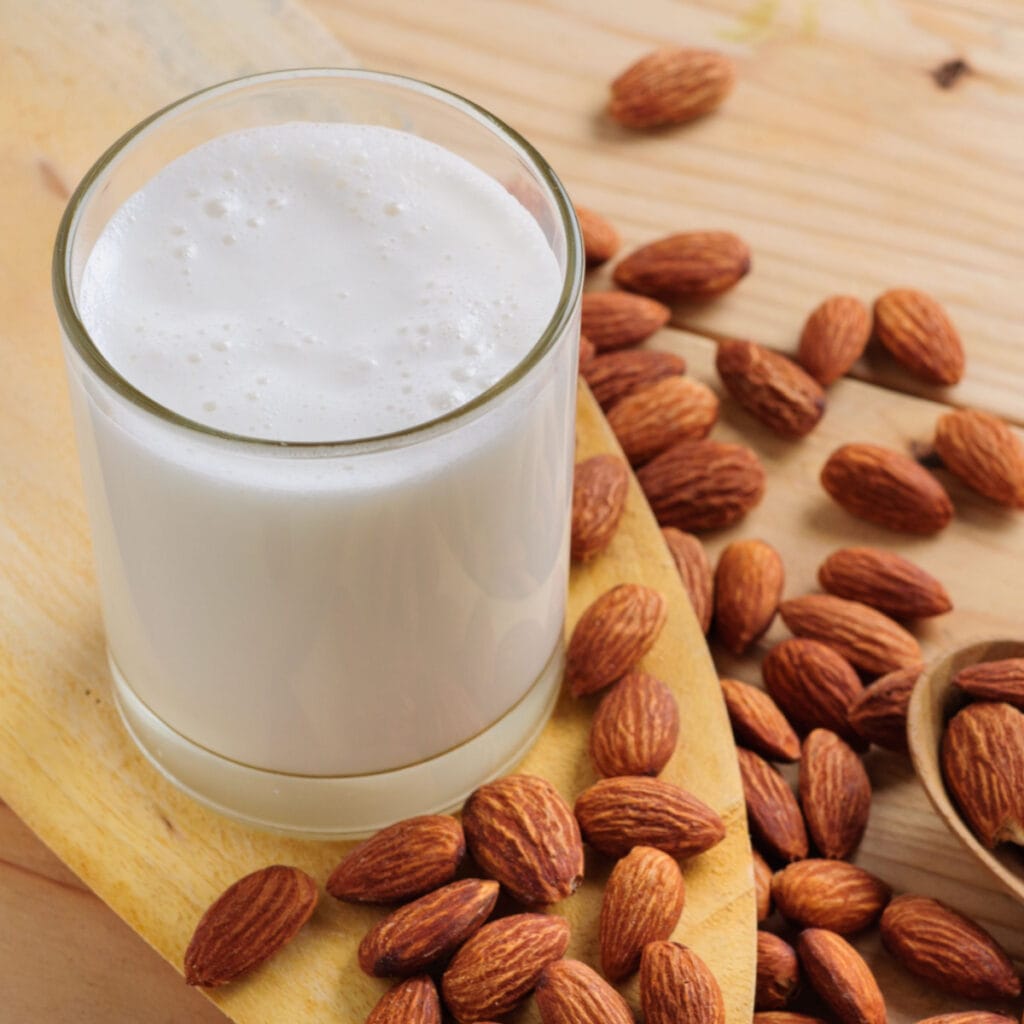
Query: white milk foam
x,y
318,282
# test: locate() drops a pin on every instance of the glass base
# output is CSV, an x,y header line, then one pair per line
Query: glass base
x,y
335,807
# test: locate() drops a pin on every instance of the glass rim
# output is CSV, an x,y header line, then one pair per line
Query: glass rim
x,y
81,340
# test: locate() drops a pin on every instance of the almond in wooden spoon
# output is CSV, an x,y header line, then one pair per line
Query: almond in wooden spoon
x,y
1001,680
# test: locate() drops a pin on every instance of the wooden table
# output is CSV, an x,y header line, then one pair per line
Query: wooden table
x,y
845,157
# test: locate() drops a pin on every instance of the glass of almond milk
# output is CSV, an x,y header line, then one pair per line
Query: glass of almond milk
x,y
321,335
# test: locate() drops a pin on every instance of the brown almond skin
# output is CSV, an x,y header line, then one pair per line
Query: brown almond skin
x,y
422,933
612,635
762,886
984,453
570,992
835,794
748,585
400,862
617,814
614,320
614,375
758,723
982,755
600,487
969,1017
249,922
838,973
947,949
884,580
879,714
692,264
676,985
413,1001
785,1017
635,729
1001,680
772,388
775,818
702,485
521,832
600,240
587,354
829,894
834,338
694,569
778,972
642,903
500,965
887,488
919,335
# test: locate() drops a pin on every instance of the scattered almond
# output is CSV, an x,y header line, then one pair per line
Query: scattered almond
x,y
834,337
695,571
879,714
692,264
600,240
775,818
785,1017
920,336
984,453
838,973
615,375
413,1001
748,585
994,680
778,972
758,723
884,580
762,886
835,794
613,320
676,985
829,894
569,992
600,486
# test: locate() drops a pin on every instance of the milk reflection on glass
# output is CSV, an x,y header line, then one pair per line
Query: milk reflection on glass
x,y
309,629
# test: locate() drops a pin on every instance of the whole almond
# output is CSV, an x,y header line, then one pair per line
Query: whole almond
x,y
778,972
676,985
835,794
613,320
1001,680
413,1001
500,965
570,992
947,949
762,886
758,723
829,894
612,635
419,934
692,264
702,485
772,388
249,922
775,818
838,973
920,336
671,85
600,240
879,714
785,1017
635,728
587,354
748,585
521,832
969,1017
814,685
694,570
984,453
642,903
886,487
401,861
884,580
617,814
614,375
834,337
982,755
865,637
654,418
600,486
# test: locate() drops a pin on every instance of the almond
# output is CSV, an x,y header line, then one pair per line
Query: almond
x,y
635,728
521,832
614,375
886,487
642,903
829,894
884,580
692,264
617,814
775,818
982,757
813,685
865,637
785,1017
778,972
838,973
405,860
500,965
418,935
694,570
762,886
969,1017
614,320
947,949
671,85
835,794
600,486
249,922
748,585
919,335
994,680
834,337
600,240
676,985
770,387
587,354
702,485
569,992
758,723
984,453
413,1001
879,714
612,635
654,418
